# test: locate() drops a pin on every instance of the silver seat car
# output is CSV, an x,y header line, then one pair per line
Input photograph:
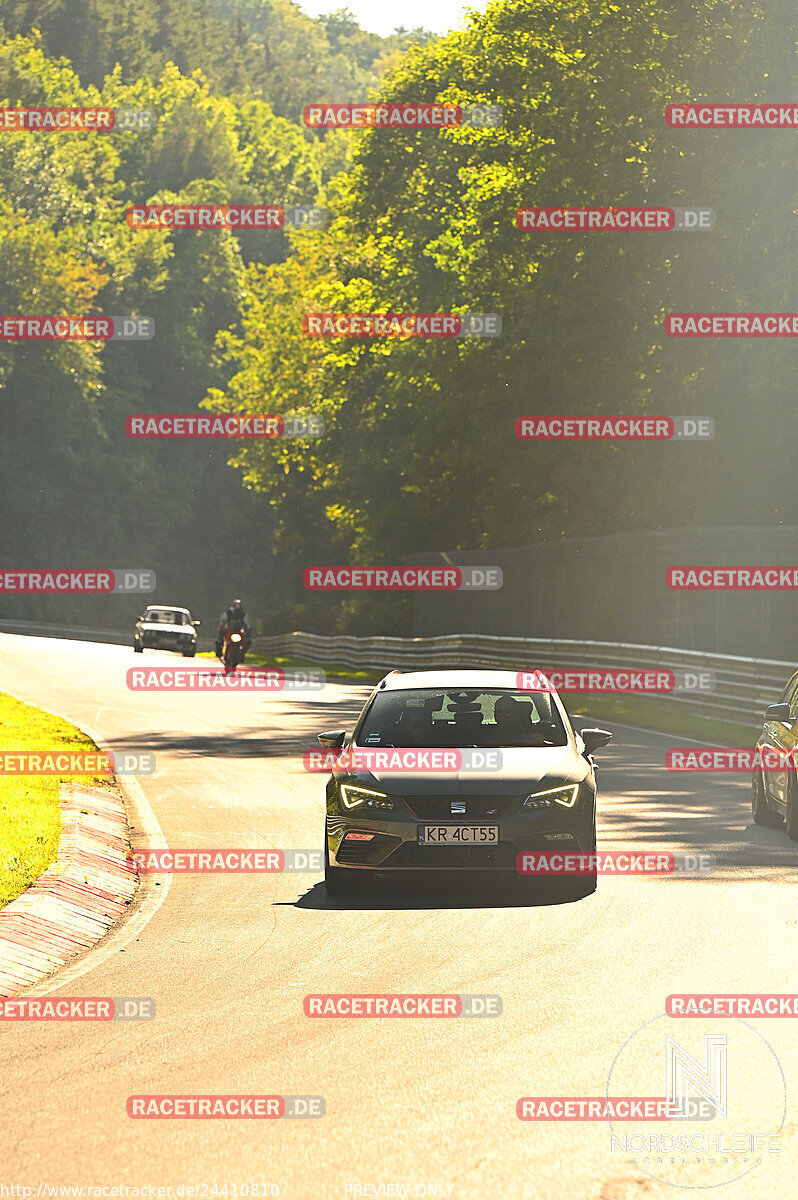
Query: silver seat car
x,y
457,771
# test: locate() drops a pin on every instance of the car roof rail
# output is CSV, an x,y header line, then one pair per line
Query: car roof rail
x,y
385,678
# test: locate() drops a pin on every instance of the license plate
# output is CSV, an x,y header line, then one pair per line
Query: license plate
x,y
458,835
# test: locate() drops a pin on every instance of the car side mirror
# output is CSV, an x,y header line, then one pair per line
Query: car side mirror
x,y
594,739
196,623
779,712
333,740
139,618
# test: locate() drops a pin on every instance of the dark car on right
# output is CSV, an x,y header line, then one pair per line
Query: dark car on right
x,y
774,793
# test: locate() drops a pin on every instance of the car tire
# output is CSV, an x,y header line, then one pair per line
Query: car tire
x,y
190,653
761,811
583,885
564,888
337,880
137,649
570,887
791,818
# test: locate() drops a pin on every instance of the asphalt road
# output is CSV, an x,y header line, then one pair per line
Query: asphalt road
x,y
424,1105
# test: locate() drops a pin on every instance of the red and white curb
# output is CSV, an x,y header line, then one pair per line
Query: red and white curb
x,y
78,898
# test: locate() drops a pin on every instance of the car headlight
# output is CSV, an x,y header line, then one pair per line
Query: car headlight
x,y
566,796
354,797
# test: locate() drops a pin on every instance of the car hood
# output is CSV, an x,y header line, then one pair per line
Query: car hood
x,y
521,769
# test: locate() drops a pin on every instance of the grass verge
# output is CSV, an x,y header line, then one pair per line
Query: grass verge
x,y
336,671
30,819
662,716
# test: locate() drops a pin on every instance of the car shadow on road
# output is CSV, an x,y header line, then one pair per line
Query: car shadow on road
x,y
387,895
255,741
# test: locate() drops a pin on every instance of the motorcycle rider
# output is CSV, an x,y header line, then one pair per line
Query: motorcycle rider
x,y
236,620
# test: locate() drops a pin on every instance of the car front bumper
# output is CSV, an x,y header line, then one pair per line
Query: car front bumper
x,y
394,843
165,641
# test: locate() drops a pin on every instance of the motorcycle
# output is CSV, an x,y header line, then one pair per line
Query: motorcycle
x,y
234,648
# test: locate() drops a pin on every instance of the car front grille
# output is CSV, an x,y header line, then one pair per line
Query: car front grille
x,y
412,855
434,808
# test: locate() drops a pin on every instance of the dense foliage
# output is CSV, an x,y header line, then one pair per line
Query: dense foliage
x,y
421,452
76,490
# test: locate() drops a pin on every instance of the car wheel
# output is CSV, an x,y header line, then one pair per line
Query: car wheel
x,y
337,880
582,885
190,652
569,887
761,811
563,888
137,649
792,809
579,886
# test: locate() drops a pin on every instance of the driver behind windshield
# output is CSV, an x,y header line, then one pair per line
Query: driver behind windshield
x,y
468,718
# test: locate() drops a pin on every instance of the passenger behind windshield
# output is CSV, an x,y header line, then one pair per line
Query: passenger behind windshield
x,y
165,616
426,719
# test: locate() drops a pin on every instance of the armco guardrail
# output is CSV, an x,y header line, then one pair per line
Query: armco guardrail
x,y
81,633
742,688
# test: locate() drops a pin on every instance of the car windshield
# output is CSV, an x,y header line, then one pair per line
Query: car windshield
x,y
462,717
166,616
